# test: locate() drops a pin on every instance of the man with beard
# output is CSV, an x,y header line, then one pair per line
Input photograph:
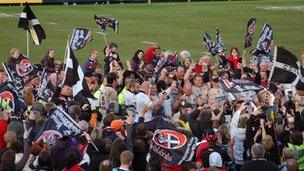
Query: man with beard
x,y
132,90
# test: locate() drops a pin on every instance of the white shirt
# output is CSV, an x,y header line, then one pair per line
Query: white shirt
x,y
130,98
141,100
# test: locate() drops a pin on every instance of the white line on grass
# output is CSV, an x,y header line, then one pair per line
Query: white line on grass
x,y
285,8
5,15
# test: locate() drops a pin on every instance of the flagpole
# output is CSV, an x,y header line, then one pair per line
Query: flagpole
x,y
104,37
27,44
64,60
65,52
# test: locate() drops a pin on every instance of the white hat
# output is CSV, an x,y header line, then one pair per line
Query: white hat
x,y
185,54
215,160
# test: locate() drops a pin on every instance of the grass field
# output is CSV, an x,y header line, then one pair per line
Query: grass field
x,y
175,26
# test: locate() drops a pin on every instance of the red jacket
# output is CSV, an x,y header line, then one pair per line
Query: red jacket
x,y
3,127
149,55
76,167
218,169
234,61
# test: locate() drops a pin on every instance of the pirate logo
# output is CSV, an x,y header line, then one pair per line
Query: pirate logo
x,y
169,139
49,136
7,100
24,67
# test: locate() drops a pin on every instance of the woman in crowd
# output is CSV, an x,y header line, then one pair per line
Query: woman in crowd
x,y
48,61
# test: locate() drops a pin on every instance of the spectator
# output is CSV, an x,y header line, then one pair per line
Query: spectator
x,y
126,159
137,62
106,165
13,59
90,62
296,144
258,161
48,61
4,117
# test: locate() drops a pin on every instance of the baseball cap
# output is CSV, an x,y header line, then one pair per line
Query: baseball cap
x,y
215,160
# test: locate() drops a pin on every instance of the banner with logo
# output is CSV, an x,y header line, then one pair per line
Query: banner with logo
x,y
59,124
173,145
251,25
10,99
80,37
239,85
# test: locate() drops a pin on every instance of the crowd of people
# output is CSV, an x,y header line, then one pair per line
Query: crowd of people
x,y
243,131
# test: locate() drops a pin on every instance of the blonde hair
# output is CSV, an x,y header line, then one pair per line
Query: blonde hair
x,y
267,142
13,50
126,157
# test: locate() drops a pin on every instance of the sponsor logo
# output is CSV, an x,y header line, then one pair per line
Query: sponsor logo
x,y
24,67
7,100
169,139
50,136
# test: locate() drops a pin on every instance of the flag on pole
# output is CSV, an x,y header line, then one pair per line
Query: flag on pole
x,y
265,42
264,45
80,37
172,145
29,22
219,45
208,43
58,124
22,71
10,99
74,77
102,22
43,92
239,85
251,25
13,77
287,69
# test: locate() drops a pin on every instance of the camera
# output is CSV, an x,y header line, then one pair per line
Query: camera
x,y
288,95
228,109
216,79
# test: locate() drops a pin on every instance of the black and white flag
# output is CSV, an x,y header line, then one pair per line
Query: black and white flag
x,y
219,45
239,85
43,92
287,69
103,21
13,77
74,77
21,72
265,42
58,125
251,25
172,145
10,99
208,43
264,45
29,22
80,37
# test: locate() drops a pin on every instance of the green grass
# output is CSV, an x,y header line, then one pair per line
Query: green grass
x,y
175,26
